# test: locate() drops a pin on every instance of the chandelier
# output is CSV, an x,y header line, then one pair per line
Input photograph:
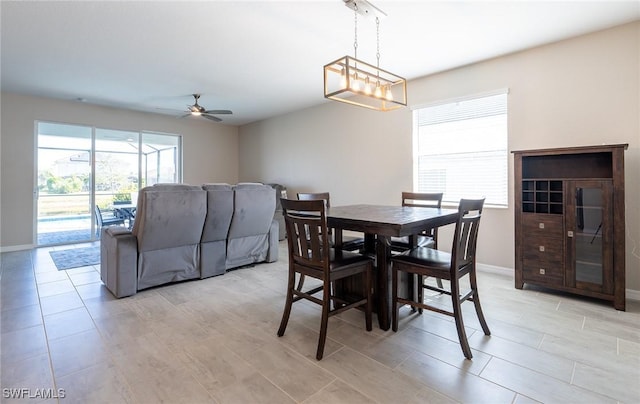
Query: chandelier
x,y
359,83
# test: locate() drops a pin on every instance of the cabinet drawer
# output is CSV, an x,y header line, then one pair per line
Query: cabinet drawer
x,y
543,249
543,272
542,225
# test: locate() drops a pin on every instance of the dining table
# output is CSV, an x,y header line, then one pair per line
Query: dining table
x,y
127,211
379,223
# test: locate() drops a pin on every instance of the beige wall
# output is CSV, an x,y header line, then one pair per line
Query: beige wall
x,y
582,91
210,152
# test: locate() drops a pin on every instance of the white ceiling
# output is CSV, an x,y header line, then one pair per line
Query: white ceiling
x,y
260,58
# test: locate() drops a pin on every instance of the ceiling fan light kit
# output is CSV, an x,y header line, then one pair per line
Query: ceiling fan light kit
x,y
359,83
198,110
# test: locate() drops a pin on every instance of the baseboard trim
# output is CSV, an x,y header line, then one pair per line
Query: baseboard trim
x,y
16,248
632,294
495,269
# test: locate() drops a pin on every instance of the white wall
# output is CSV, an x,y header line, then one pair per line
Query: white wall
x,y
582,91
210,152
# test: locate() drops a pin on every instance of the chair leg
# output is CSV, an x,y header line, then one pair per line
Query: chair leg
x,y
288,304
326,302
367,293
394,298
300,283
476,302
457,315
420,292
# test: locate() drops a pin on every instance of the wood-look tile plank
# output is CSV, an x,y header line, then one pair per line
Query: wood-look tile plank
x,y
294,374
339,392
369,376
100,383
538,386
19,318
531,358
446,350
622,386
254,388
454,382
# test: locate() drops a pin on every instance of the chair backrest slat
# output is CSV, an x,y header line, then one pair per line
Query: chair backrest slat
x,y
306,224
314,196
466,233
424,200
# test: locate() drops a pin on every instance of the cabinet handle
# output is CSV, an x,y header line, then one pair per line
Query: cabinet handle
x,y
541,248
541,225
542,271
569,233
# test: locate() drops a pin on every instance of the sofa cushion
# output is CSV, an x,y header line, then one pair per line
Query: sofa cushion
x,y
254,208
169,218
219,212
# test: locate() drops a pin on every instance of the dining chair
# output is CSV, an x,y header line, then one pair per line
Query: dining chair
x,y
310,255
349,243
107,218
428,237
424,261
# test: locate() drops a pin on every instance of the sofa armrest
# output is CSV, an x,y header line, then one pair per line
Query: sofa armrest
x,y
274,233
119,261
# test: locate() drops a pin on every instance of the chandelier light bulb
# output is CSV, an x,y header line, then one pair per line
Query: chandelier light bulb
x,y
378,91
355,83
367,86
388,94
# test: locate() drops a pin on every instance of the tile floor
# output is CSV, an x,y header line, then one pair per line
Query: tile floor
x,y
214,341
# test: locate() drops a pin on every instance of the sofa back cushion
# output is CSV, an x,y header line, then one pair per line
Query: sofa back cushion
x,y
219,212
170,215
254,207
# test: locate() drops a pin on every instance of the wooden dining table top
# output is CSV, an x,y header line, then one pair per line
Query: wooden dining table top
x,y
388,220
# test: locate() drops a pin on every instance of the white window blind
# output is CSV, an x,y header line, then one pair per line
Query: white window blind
x,y
460,149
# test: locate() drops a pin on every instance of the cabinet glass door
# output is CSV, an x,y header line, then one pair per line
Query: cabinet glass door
x,y
589,235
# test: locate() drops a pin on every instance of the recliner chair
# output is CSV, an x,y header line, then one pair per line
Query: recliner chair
x,y
164,245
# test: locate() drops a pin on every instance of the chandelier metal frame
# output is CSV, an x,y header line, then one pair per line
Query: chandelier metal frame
x,y
356,82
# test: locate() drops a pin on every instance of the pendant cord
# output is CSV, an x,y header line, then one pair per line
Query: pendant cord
x,y
378,44
355,35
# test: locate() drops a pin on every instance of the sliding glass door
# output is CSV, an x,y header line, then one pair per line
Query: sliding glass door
x,y
84,172
63,184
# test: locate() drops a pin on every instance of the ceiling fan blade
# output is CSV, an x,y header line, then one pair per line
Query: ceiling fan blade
x,y
185,115
218,112
213,118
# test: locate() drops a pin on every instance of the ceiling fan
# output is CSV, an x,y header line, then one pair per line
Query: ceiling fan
x,y
198,110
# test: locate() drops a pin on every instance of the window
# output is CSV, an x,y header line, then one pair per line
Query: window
x,y
460,149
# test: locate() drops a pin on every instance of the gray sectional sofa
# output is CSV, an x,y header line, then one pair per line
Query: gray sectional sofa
x,y
188,232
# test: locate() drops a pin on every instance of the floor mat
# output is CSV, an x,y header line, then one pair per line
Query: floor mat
x,y
76,257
